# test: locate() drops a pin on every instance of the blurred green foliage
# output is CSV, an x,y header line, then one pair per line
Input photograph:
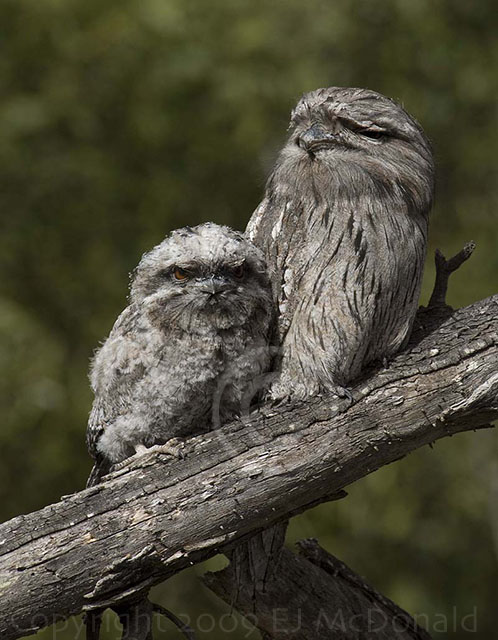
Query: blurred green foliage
x,y
121,120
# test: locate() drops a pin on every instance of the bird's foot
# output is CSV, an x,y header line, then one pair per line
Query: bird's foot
x,y
292,392
173,447
345,393
299,392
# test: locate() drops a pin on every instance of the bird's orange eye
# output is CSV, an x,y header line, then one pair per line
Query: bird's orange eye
x,y
238,271
180,274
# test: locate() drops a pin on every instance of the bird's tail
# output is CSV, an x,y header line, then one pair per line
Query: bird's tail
x,y
101,468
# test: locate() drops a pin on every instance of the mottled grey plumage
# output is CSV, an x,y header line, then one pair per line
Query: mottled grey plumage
x,y
343,225
185,354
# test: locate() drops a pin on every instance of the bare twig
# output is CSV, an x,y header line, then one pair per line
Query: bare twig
x,y
444,268
136,620
184,628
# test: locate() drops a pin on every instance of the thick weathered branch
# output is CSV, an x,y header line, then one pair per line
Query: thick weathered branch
x,y
336,602
162,515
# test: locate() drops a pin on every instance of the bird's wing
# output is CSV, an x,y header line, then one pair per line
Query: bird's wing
x,y
95,429
116,369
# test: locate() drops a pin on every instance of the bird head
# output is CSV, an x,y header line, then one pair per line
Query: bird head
x,y
355,134
203,278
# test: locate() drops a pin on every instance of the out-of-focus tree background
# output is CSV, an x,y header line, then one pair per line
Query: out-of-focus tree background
x,y
121,120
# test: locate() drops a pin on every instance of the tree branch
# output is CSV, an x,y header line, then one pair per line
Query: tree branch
x,y
155,518
336,602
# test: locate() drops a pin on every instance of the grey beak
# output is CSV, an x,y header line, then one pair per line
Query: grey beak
x,y
215,285
314,137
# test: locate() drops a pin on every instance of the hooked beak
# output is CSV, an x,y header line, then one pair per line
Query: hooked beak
x,y
215,285
315,138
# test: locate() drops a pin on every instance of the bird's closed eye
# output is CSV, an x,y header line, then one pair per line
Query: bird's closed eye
x,y
373,131
373,134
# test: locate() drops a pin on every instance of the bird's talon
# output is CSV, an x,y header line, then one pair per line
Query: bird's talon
x,y
345,394
174,447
